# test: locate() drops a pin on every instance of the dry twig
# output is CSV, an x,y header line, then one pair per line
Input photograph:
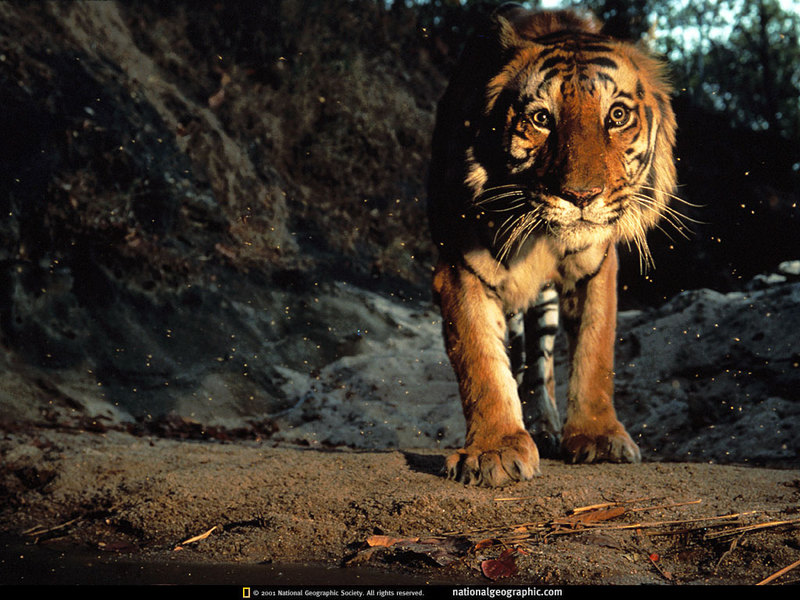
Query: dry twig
x,y
748,528
665,574
38,530
774,576
599,517
197,538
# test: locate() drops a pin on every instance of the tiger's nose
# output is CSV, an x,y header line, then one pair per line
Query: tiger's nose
x,y
581,197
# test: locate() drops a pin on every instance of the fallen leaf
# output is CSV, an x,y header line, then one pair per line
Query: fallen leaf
x,y
505,566
488,543
592,516
386,540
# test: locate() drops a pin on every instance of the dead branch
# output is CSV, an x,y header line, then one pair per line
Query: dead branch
x,y
748,528
774,576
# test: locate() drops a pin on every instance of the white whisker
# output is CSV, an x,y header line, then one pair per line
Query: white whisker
x,y
667,213
664,207
673,196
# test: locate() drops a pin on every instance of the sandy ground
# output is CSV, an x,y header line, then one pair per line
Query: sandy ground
x,y
345,486
288,514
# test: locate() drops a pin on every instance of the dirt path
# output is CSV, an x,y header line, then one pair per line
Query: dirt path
x,y
269,509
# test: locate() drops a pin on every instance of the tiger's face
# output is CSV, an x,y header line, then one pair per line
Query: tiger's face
x,y
574,127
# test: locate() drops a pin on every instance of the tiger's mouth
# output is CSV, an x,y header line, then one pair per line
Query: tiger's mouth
x,y
512,200
563,213
513,214
577,227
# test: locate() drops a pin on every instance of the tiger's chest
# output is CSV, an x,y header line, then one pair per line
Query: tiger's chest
x,y
542,263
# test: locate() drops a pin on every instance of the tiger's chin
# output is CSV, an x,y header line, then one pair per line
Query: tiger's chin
x,y
576,228
580,234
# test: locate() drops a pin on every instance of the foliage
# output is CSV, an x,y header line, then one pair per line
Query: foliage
x,y
737,57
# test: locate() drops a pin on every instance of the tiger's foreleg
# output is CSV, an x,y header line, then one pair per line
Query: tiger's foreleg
x,y
592,431
537,381
498,450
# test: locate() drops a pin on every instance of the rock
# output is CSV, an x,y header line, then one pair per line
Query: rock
x,y
790,267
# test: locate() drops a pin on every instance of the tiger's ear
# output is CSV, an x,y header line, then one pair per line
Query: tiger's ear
x,y
517,26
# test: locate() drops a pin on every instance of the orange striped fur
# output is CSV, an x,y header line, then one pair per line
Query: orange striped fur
x,y
553,143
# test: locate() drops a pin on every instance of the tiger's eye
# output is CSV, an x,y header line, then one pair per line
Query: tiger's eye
x,y
618,116
542,119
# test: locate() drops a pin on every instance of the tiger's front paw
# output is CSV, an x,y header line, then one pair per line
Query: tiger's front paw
x,y
587,445
499,462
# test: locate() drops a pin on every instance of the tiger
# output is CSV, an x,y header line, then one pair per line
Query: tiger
x,y
552,144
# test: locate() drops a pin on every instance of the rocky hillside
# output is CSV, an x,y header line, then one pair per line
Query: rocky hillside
x,y
181,183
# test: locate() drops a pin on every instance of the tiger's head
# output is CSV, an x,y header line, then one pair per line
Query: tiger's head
x,y
571,135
